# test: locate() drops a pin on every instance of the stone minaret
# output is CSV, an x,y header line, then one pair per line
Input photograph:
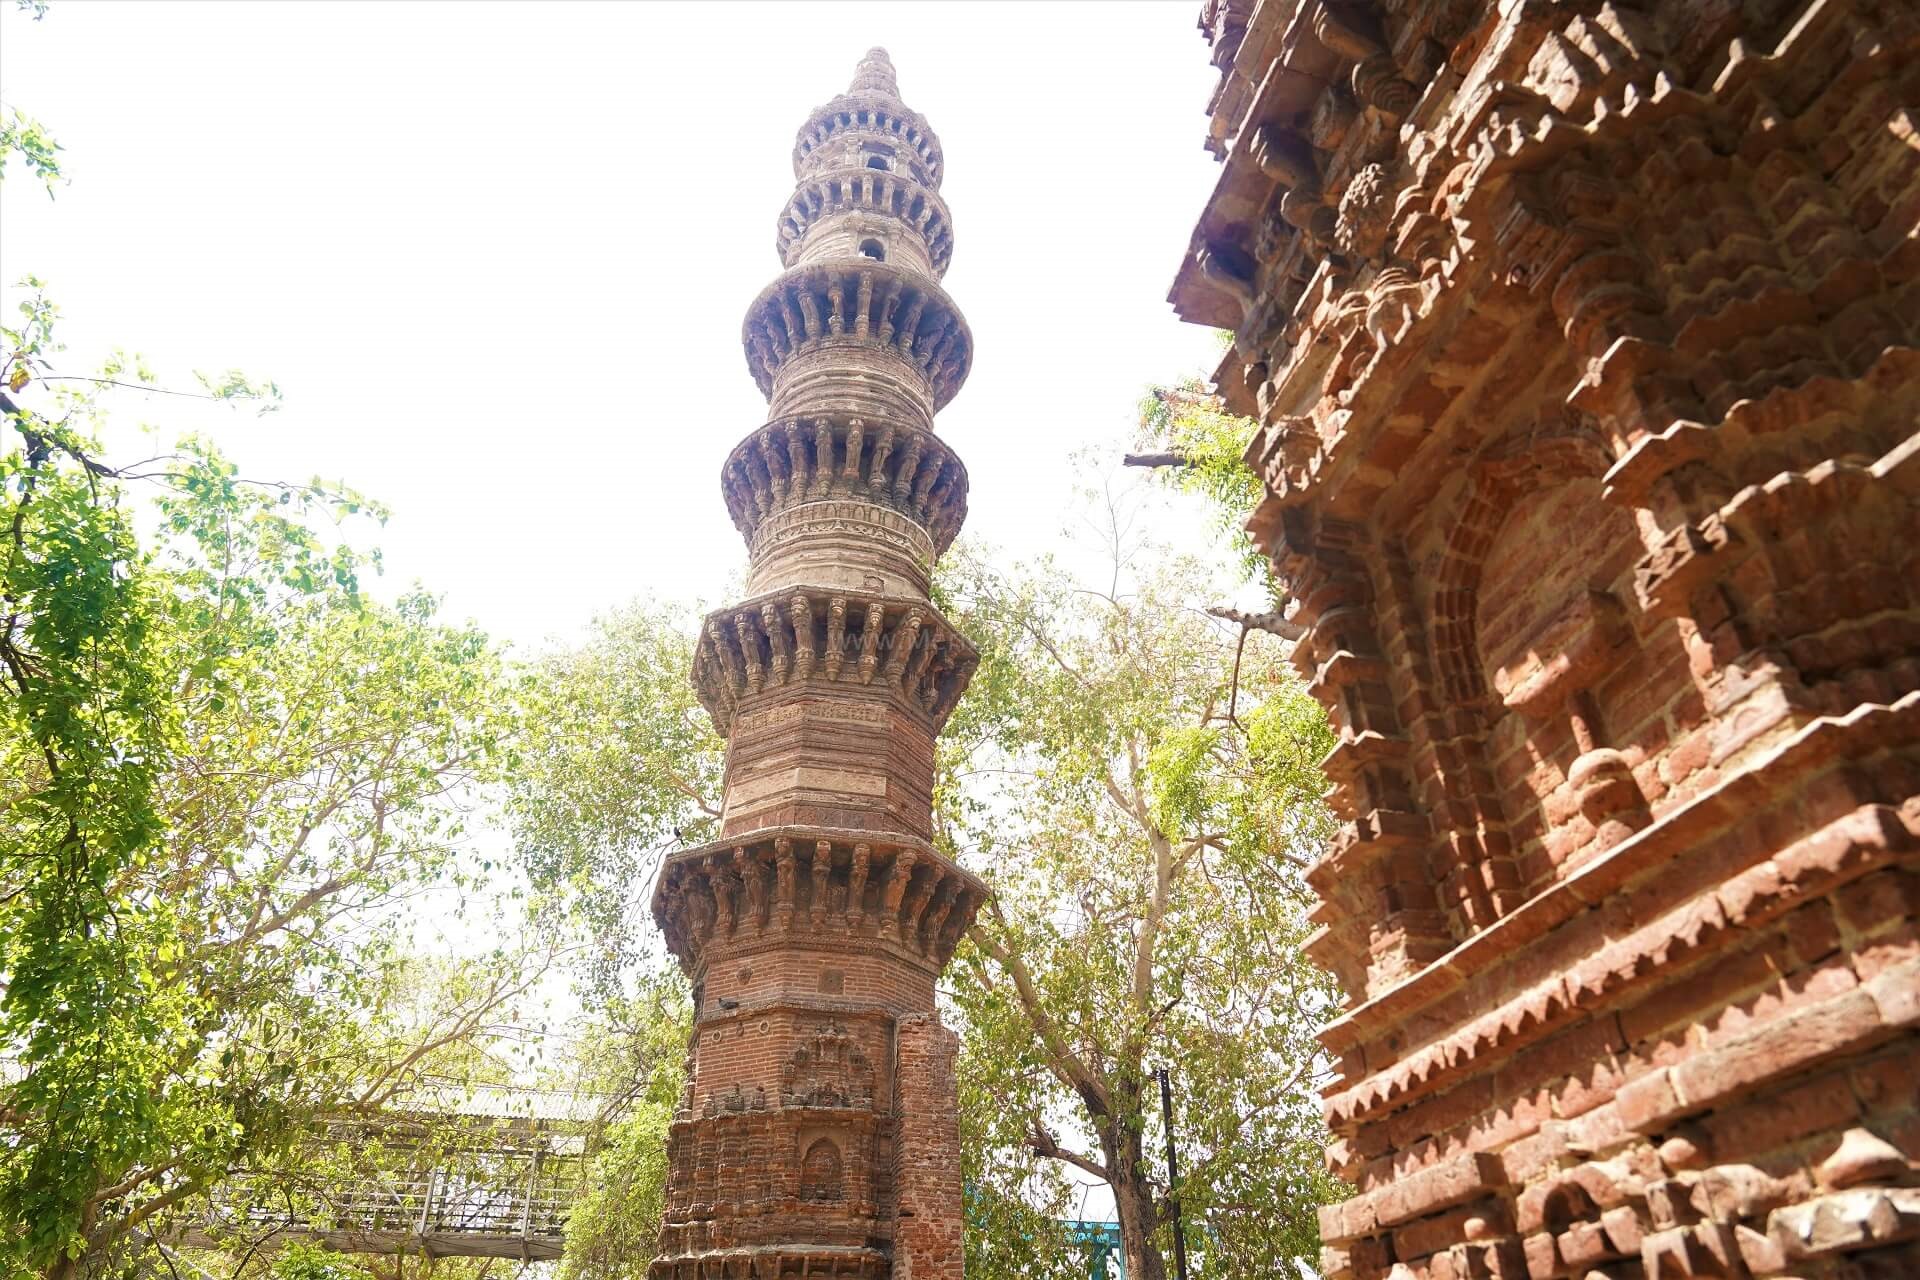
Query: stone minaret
x,y
819,1133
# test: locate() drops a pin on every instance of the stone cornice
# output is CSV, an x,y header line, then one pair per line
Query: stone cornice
x,y
848,190
859,303
783,886
825,639
1813,747
872,112
907,470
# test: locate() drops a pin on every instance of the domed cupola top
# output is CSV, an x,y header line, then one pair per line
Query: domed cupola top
x,y
869,122
874,75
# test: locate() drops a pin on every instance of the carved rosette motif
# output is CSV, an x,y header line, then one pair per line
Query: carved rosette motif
x,y
813,1138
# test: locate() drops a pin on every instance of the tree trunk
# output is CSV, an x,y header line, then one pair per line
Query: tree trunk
x,y
1134,1204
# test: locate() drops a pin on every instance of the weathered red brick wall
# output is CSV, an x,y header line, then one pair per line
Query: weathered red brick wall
x,y
926,1157
1585,344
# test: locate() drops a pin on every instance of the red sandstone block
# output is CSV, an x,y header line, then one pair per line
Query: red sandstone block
x,y
1721,982
1760,1252
1773,1121
1799,1039
1732,1191
1442,1231
1598,1130
1564,1054
1890,1081
1510,1121
1893,950
1896,995
1752,895
1531,1157
1440,1187
1646,1105
1805,987
1877,900
1811,932
1594,1085
1623,1229
1542,1253
1498,1260
1687,756
1438,1114
1349,1219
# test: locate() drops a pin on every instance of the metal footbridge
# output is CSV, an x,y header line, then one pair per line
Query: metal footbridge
x,y
490,1173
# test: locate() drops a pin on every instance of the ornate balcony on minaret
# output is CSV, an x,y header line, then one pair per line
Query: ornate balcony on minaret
x,y
819,1132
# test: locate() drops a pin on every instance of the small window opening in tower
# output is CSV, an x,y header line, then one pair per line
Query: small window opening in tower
x,y
878,162
873,249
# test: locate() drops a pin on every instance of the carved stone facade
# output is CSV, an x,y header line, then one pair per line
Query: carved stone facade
x,y
819,1135
1584,339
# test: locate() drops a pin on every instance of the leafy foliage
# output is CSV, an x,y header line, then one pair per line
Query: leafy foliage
x,y
617,765
1186,421
223,771
299,1260
1145,849
22,135
638,1061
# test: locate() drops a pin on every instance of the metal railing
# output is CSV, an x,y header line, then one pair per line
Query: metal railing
x,y
443,1185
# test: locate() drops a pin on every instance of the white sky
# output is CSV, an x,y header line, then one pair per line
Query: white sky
x,y
497,254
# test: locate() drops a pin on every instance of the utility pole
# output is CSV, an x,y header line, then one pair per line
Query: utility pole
x,y
1173,1179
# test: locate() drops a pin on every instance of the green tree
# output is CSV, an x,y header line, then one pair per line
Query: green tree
x,y
23,136
617,765
635,1057
225,773
302,1261
1198,447
1143,818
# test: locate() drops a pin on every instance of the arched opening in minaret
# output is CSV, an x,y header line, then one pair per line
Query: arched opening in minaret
x,y
873,249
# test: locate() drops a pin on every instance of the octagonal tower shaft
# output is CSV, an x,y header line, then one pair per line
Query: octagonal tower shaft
x,y
818,1134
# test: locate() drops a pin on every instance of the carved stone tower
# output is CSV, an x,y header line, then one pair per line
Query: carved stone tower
x,y
819,1132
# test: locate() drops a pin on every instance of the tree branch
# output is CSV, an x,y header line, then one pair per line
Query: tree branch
x,y
1065,1064
1272,622
1044,1143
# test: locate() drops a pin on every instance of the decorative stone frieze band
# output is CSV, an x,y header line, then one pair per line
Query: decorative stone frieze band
x,y
910,471
1582,345
852,888
869,111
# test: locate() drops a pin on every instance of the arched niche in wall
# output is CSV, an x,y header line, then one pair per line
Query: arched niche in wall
x,y
1530,623
822,1175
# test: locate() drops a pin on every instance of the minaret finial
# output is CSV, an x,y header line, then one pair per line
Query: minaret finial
x,y
875,75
